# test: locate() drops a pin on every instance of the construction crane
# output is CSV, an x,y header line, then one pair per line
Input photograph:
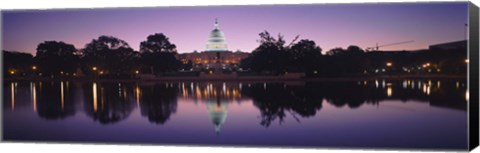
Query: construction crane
x,y
385,45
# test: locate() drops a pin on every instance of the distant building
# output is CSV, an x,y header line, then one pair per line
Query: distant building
x,y
216,56
456,45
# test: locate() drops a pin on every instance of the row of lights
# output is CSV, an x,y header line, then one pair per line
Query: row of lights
x,y
34,68
101,72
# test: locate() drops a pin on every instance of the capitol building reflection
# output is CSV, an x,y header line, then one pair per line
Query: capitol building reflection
x,y
216,95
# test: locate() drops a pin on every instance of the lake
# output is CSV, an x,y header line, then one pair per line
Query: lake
x,y
419,114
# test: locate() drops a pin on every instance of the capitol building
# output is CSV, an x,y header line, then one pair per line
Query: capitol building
x,y
216,58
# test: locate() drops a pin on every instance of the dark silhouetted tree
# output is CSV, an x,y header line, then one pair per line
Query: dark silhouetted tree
x,y
352,61
111,55
16,63
304,56
158,54
56,58
271,56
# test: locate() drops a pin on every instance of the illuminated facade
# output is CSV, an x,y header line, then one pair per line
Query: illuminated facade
x,y
216,56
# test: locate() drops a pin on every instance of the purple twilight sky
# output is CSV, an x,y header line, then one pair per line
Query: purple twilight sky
x,y
329,25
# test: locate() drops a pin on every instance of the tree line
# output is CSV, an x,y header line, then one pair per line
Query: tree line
x,y
107,56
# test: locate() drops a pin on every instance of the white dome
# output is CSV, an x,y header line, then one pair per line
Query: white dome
x,y
216,40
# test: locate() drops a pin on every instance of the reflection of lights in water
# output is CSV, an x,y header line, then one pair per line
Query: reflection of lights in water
x,y
438,84
426,89
376,83
457,84
198,92
467,95
184,93
429,82
102,99
224,87
265,86
419,84
383,83
405,84
240,86
389,91
365,82
62,99
119,91
66,86
125,93
34,97
191,86
13,95
207,88
137,94
94,97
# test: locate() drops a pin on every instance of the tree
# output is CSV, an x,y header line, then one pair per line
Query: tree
x,y
16,63
157,42
336,51
158,54
56,58
271,56
354,50
304,56
110,56
351,61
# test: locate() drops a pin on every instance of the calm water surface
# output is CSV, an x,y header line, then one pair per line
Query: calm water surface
x,y
389,114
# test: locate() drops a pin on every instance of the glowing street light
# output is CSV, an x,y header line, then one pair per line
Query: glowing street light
x,y
94,68
136,71
389,64
12,72
466,61
426,65
101,72
34,67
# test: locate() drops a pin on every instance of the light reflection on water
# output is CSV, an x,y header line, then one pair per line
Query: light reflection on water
x,y
271,111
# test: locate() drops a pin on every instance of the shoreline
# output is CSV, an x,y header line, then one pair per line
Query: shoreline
x,y
252,79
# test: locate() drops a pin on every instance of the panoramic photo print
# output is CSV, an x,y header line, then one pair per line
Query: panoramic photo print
x,y
378,75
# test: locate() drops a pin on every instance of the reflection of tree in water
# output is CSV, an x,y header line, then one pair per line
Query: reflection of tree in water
x,y
341,94
158,102
276,100
54,100
108,102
